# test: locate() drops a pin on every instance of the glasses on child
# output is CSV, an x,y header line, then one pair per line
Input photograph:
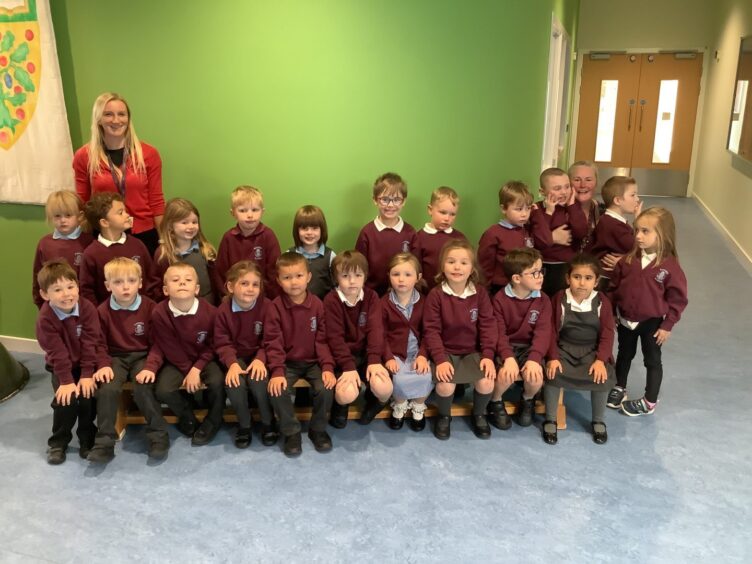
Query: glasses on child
x,y
386,201
535,273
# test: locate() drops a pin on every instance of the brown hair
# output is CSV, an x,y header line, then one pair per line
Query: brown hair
x,y
401,258
54,270
99,206
513,192
665,228
548,173
176,210
517,261
240,269
453,245
615,187
445,192
121,265
309,216
349,261
584,259
291,258
389,183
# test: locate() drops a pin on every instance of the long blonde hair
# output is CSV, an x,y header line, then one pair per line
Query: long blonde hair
x,y
176,210
665,228
97,148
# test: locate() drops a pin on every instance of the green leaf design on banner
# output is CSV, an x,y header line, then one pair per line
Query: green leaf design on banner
x,y
5,119
17,99
23,78
7,42
20,53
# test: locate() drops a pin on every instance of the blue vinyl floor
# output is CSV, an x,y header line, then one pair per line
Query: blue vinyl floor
x,y
671,487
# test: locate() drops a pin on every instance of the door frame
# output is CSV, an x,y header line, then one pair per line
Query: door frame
x,y
700,102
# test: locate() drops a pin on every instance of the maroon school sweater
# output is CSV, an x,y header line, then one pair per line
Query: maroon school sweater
x,y
605,332
428,247
70,343
379,247
125,331
574,217
240,334
525,322
354,330
397,328
184,341
655,291
612,236
48,248
297,333
453,325
261,246
97,255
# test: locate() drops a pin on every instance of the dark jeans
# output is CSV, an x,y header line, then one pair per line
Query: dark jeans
x,y
125,367
239,398
651,353
169,381
322,398
64,418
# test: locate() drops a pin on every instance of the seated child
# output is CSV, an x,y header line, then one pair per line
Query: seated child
x,y
238,338
519,229
126,322
523,316
431,239
68,331
182,353
580,353
106,212
68,239
310,235
388,234
249,240
355,337
295,344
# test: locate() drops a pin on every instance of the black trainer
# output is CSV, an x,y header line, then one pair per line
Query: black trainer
x,y
338,415
269,435
615,397
55,455
293,445
321,440
527,409
480,426
242,438
442,427
204,434
498,416
101,454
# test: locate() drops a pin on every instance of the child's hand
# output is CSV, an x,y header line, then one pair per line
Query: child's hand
x,y
192,380
145,377
638,209
258,370
561,235
329,379
421,365
104,374
610,260
392,365
598,372
661,336
376,371
488,368
532,373
350,378
232,379
87,387
549,203
552,367
277,385
509,371
65,393
571,198
445,372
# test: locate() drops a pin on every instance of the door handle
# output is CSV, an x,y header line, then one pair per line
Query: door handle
x,y
642,111
629,117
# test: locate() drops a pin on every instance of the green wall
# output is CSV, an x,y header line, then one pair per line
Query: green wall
x,y
309,101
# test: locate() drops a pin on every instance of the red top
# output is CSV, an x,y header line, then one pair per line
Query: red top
x,y
397,328
48,248
240,334
125,331
605,331
524,322
379,247
143,193
498,240
97,255
354,330
574,217
612,236
427,248
261,246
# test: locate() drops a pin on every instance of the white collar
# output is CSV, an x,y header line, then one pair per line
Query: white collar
x,y
510,292
466,293
344,299
585,306
431,230
133,307
75,234
108,243
177,313
380,225
616,215
647,258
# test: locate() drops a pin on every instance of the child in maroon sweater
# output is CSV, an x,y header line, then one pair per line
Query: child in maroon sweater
x,y
295,343
182,328
460,334
126,320
106,212
249,240
355,337
650,291
523,317
68,240
238,339
388,234
68,331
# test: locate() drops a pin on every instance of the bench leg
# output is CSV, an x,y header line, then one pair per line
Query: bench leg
x,y
561,412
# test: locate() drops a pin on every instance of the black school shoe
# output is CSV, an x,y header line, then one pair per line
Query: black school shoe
x,y
269,435
371,410
85,449
204,435
498,416
600,436
527,409
321,440
442,427
158,449
549,432
480,426
396,424
101,454
55,455
243,438
293,445
418,425
188,426
338,415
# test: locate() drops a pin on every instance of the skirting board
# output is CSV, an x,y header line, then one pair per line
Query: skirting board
x,y
21,345
736,248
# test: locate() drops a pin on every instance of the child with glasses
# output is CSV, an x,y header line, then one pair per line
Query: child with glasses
x,y
388,234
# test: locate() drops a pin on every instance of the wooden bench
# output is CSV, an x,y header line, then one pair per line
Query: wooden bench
x,y
128,413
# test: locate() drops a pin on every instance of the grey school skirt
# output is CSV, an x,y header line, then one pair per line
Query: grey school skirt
x,y
466,368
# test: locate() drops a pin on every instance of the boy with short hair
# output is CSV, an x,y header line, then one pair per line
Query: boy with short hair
x,y
295,344
68,331
614,234
125,320
523,315
354,332
182,353
429,241
388,234
106,213
249,240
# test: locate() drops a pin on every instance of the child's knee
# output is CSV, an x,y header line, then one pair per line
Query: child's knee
x,y
484,386
346,393
445,389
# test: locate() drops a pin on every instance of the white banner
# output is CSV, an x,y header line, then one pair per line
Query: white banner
x,y
35,144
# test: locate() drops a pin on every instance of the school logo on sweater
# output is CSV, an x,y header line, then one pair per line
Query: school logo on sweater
x,y
474,314
77,257
534,315
314,324
661,276
137,258
362,318
201,337
258,327
258,253
78,330
529,242
139,328
405,246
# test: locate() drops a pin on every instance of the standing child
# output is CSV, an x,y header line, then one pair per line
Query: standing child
x,y
460,334
436,233
249,240
581,344
68,332
388,234
356,339
650,295
310,235
68,239
181,240
238,338
404,353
